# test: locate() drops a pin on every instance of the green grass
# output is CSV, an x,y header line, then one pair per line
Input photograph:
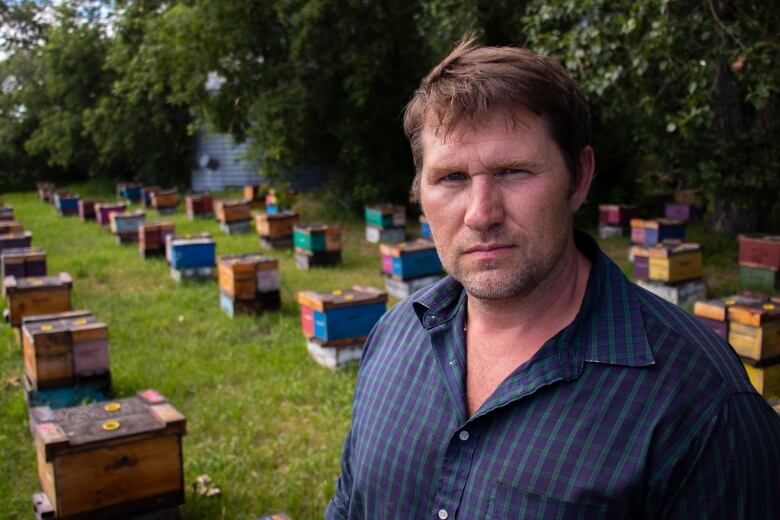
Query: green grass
x,y
264,421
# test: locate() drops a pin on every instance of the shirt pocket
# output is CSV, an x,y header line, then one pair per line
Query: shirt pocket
x,y
507,501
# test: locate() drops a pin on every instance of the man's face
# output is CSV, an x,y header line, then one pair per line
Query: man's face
x,y
497,198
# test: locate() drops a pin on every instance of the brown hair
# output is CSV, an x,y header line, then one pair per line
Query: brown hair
x,y
473,80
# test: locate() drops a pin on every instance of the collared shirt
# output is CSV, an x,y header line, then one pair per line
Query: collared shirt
x,y
634,410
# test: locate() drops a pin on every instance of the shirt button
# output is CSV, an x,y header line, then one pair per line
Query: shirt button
x,y
464,435
443,514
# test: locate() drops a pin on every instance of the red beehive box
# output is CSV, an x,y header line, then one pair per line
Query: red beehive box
x,y
760,251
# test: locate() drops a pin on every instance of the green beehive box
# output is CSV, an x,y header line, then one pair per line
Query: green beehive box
x,y
759,278
305,239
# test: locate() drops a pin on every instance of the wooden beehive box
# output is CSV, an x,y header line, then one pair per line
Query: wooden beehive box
x,y
165,199
129,191
760,251
8,227
151,235
190,253
254,195
15,240
342,313
754,330
279,225
146,195
109,460
227,211
198,204
617,214
87,209
104,209
45,191
23,262
37,295
243,276
6,213
675,263
385,215
408,260
317,237
714,313
126,222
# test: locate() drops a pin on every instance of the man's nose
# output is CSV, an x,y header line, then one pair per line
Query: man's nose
x,y
485,206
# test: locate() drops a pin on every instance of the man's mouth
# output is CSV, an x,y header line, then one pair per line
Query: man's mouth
x,y
488,251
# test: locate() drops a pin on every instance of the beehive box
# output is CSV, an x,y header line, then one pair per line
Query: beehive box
x,y
151,237
714,313
403,288
66,203
305,259
640,260
317,237
675,263
64,349
276,226
254,195
262,302
128,190
228,211
126,224
681,293
199,205
37,295
22,262
342,313
110,460
408,260
765,376
385,215
680,211
165,200
11,227
103,210
243,276
87,209
759,278
146,195
45,191
617,214
757,250
651,232
191,253
425,228
377,235
15,240
6,213
335,354
754,330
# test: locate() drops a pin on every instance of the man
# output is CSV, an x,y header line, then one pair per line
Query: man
x,y
536,381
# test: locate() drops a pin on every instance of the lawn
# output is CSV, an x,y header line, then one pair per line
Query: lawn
x,y
265,422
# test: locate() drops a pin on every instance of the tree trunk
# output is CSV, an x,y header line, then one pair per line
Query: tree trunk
x,y
730,217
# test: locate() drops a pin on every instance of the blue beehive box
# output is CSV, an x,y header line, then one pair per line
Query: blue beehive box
x,y
663,229
345,313
192,253
409,260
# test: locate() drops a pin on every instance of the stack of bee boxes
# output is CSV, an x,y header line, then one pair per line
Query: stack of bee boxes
x,y
165,201
409,266
36,295
23,262
65,359
15,240
146,195
255,196
121,459
336,324
754,332
87,209
67,203
715,313
6,213
425,229
248,284
103,211
191,258
234,216
129,191
651,232
615,219
276,231
672,270
759,262
199,205
124,226
151,237
316,245
11,227
385,223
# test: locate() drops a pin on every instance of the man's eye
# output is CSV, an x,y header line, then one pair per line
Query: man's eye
x,y
454,176
513,171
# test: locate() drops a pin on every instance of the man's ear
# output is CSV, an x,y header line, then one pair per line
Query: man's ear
x,y
582,187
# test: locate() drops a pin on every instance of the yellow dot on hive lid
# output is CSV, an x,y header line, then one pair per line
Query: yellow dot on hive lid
x,y
111,425
769,307
349,297
35,281
46,328
81,321
112,407
337,292
730,302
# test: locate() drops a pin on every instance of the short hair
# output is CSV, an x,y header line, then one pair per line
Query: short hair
x,y
472,81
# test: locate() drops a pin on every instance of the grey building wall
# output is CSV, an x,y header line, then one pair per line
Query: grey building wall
x,y
220,164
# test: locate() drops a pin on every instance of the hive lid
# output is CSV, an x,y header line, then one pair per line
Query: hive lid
x,y
357,295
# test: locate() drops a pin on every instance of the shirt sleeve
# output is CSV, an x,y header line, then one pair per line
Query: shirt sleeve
x,y
731,470
338,507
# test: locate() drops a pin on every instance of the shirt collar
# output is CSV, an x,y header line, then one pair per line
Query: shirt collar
x,y
607,329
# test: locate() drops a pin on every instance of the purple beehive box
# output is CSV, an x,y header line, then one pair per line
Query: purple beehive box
x,y
721,328
677,211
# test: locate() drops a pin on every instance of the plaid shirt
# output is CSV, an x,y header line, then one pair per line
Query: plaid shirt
x,y
634,410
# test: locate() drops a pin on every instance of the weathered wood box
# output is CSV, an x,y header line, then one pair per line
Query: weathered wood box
x,y
640,260
111,460
305,259
103,210
15,240
617,214
681,293
125,225
244,276
276,226
377,235
335,354
759,251
8,227
6,213
317,238
64,349
675,263
37,295
146,195
385,215
409,260
765,376
87,209
151,237
425,228
254,195
403,288
754,330
128,190
23,262
714,313
342,313
263,302
165,201
228,211
759,278
67,204
651,232
199,205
